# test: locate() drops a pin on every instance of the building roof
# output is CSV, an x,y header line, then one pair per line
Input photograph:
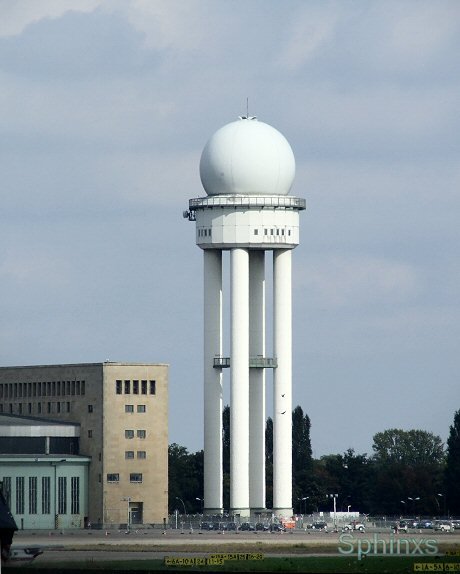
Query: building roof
x,y
101,364
19,425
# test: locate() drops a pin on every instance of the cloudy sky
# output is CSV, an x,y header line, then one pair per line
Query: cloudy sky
x,y
105,106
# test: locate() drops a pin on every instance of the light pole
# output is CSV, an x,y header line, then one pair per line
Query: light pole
x,y
413,499
334,497
444,504
183,504
202,504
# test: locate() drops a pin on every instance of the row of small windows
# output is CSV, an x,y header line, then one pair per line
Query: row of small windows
x,y
141,454
130,408
36,408
276,231
140,433
37,497
271,231
135,387
48,389
133,477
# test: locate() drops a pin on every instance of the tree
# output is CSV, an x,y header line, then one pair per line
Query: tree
x,y
226,456
185,479
452,473
301,455
409,467
411,448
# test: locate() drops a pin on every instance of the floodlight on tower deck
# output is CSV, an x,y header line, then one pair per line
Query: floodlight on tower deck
x,y
247,169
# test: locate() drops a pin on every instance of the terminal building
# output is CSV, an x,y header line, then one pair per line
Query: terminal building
x,y
85,444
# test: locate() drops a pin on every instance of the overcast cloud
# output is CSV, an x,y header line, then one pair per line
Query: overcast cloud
x,y
105,106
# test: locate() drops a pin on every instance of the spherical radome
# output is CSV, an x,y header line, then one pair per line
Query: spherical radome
x,y
247,157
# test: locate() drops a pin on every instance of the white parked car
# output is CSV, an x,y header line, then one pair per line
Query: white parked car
x,y
443,525
354,526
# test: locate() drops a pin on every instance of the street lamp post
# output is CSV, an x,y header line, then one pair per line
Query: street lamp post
x,y
183,504
202,504
334,497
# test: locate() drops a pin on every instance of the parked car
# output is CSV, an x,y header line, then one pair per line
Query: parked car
x,y
206,526
261,527
425,523
354,526
456,524
232,526
443,525
277,527
318,525
247,526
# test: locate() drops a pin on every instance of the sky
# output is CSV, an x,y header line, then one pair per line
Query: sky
x,y
105,107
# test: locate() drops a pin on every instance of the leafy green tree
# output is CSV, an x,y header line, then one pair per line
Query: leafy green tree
x,y
452,473
408,472
411,448
185,479
301,457
269,462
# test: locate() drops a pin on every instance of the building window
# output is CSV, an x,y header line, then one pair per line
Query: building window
x,y
141,408
135,387
48,407
83,387
75,495
90,434
141,454
62,495
129,433
119,387
129,454
135,477
153,387
46,491
68,407
58,407
289,232
90,408
20,408
256,232
19,495
113,477
32,495
129,408
141,434
144,387
127,387
39,408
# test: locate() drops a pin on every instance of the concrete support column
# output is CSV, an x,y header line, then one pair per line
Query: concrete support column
x,y
256,381
282,383
213,473
239,382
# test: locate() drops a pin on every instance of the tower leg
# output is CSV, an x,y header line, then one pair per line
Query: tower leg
x,y
256,381
213,474
282,383
239,382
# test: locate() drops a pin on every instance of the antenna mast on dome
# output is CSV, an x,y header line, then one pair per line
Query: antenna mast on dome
x,y
247,116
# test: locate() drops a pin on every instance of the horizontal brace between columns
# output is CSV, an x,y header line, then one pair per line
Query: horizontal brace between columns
x,y
254,363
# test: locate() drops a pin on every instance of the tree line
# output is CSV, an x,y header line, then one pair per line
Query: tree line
x,y
409,473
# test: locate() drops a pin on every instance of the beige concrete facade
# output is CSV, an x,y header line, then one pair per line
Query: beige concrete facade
x,y
123,412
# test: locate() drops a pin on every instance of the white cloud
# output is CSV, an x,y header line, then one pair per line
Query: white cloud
x,y
17,15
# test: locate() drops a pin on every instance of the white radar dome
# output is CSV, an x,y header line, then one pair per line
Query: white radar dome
x,y
247,157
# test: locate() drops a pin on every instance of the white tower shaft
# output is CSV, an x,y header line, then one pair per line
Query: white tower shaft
x,y
282,382
257,381
213,474
239,382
